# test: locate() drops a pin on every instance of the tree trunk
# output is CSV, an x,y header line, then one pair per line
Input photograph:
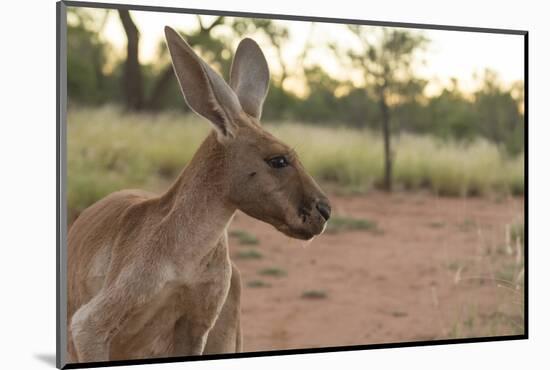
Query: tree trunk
x,y
133,80
388,178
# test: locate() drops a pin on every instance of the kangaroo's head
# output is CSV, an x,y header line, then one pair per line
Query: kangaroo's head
x,y
264,176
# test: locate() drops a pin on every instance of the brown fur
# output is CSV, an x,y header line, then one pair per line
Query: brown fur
x,y
150,276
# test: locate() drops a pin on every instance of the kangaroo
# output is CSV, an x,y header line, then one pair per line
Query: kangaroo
x,y
150,275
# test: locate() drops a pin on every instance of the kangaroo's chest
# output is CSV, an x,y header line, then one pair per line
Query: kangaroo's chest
x,y
193,293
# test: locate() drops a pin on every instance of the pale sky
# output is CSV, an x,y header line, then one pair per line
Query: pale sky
x,y
449,54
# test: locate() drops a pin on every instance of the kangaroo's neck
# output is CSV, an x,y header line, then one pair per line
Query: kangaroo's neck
x,y
195,207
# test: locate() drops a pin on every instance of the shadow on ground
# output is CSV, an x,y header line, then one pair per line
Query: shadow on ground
x,y
47,358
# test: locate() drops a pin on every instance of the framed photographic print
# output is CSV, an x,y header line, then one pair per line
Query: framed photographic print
x,y
238,184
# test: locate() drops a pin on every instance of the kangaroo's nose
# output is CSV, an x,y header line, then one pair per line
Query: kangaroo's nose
x,y
324,209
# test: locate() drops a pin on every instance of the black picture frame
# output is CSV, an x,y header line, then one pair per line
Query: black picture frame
x,y
61,173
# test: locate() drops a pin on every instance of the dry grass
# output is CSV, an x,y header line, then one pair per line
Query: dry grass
x,y
354,158
502,269
109,150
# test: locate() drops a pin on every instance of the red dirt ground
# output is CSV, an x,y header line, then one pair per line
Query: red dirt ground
x,y
434,268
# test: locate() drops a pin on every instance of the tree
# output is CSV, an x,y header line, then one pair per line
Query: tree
x,y
321,101
86,56
211,49
499,113
452,115
276,34
135,96
133,79
216,50
386,60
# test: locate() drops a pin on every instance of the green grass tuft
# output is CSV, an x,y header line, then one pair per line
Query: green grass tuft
x,y
399,314
244,237
436,224
249,254
258,284
314,294
467,225
508,273
273,271
454,266
517,231
342,223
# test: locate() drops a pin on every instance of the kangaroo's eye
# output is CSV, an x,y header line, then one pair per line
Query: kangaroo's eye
x,y
277,162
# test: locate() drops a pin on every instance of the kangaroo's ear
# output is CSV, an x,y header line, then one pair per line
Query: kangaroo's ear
x,y
250,77
204,90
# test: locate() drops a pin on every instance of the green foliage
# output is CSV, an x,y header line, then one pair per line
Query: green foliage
x,y
216,51
498,111
86,59
387,66
280,104
454,115
493,112
321,101
387,59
